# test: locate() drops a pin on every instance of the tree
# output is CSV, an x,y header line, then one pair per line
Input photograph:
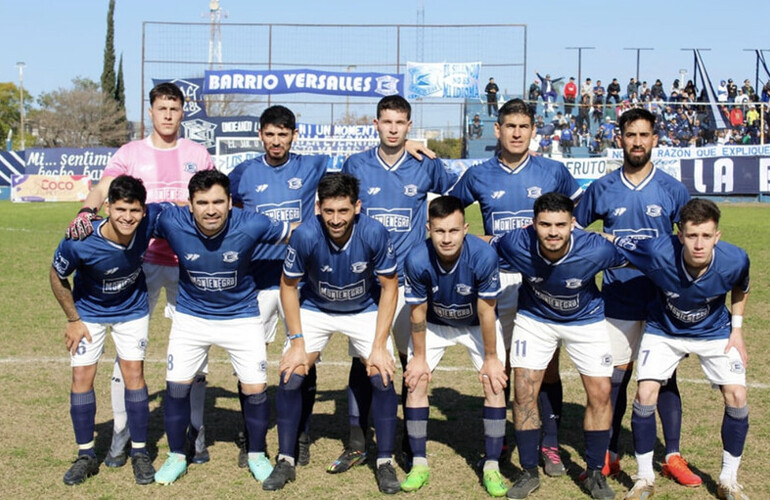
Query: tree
x,y
120,87
79,117
446,148
108,68
9,113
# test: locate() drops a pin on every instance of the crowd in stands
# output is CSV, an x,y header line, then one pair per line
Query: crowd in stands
x,y
590,113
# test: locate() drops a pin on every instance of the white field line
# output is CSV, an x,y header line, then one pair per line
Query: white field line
x,y
567,373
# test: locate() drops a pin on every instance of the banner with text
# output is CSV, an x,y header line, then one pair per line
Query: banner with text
x,y
448,80
241,81
27,188
68,161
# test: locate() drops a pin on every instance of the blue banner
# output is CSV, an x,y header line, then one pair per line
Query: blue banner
x,y
447,80
241,81
11,163
192,88
725,176
206,130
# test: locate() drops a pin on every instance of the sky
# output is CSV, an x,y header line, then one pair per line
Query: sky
x,y
59,40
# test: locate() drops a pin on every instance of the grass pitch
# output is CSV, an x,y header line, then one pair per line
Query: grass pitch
x,y
38,443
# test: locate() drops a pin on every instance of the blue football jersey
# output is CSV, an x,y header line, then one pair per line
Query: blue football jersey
x,y
506,196
683,305
286,193
648,210
340,279
396,195
452,295
109,284
216,275
564,291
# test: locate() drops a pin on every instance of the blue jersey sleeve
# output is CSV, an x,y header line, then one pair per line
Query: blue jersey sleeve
x,y
297,253
416,279
443,180
506,248
462,189
235,182
383,250
65,259
487,273
568,186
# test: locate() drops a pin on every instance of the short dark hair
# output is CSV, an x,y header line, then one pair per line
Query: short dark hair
x,y
128,189
633,115
278,115
444,206
167,90
698,211
396,103
338,185
553,202
515,107
206,179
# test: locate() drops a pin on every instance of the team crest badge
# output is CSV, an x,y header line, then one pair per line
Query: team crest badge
x,y
190,167
60,263
737,367
230,256
143,344
295,183
573,283
291,254
534,192
359,267
410,190
626,242
654,210
262,366
463,289
607,359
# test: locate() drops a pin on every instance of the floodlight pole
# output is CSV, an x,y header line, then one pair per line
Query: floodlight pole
x,y
580,60
638,51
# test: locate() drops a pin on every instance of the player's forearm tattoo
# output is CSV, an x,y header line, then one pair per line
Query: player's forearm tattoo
x,y
419,326
525,412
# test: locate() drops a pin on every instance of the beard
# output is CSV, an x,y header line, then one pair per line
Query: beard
x,y
637,161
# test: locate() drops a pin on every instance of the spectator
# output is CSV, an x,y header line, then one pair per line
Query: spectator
x,y
570,94
546,145
587,89
722,91
741,98
657,90
584,135
747,88
534,93
736,116
732,90
566,141
598,93
548,92
476,128
607,133
583,109
491,90
675,87
632,88
613,91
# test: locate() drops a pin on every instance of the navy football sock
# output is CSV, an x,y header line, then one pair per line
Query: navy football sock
x,y
384,409
288,405
83,414
138,411
670,412
176,410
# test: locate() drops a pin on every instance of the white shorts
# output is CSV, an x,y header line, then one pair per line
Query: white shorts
x,y
439,337
158,277
270,310
508,303
588,346
130,339
318,327
402,325
625,336
659,355
191,337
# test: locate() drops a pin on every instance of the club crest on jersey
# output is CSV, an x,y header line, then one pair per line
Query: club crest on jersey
x,y
230,256
326,268
534,192
607,359
111,271
410,190
60,263
373,190
291,254
190,167
463,289
295,183
573,283
626,242
496,195
262,187
654,210
192,257
619,211
359,267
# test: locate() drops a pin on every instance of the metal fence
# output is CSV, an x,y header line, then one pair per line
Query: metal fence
x,y
181,50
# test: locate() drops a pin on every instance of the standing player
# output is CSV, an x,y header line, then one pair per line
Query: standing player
x,y
394,189
638,201
452,281
559,302
217,305
109,292
692,273
341,254
506,187
165,163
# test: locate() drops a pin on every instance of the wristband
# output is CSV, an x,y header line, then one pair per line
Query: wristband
x,y
73,320
737,321
90,210
295,336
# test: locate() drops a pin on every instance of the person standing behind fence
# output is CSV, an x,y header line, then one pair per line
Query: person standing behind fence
x,y
491,90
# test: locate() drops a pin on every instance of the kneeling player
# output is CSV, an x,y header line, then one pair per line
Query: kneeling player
x,y
692,272
109,292
452,281
342,255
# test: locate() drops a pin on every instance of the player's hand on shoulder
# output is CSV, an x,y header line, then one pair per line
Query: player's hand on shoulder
x,y
418,149
80,227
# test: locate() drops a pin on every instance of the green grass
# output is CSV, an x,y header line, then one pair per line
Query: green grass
x,y
38,444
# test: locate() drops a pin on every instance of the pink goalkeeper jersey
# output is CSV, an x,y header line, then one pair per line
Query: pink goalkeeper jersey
x,y
165,174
